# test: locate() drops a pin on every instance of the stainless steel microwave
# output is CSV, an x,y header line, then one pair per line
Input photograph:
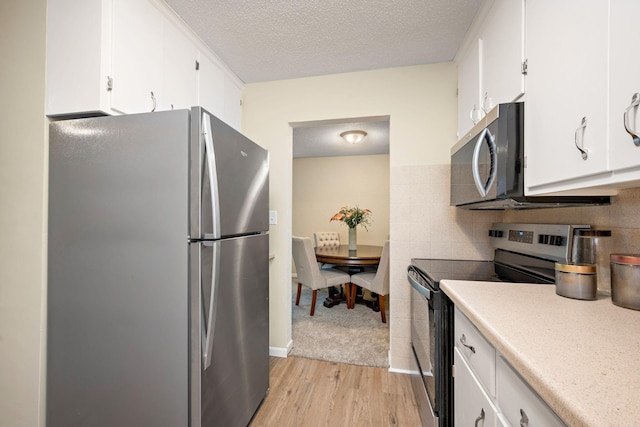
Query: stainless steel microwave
x,y
487,166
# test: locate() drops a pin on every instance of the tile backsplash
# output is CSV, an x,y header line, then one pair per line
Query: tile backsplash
x,y
620,217
422,224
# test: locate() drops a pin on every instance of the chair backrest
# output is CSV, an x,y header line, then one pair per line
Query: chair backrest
x,y
326,238
304,259
380,283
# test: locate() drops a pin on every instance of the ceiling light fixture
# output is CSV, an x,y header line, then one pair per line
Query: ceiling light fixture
x,y
353,136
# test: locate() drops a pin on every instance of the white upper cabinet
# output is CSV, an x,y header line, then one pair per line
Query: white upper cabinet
x,y
180,76
233,102
581,88
137,56
78,57
490,61
624,84
468,87
566,105
502,53
131,56
210,86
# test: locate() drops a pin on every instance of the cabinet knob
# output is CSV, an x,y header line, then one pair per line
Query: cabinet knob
x,y
635,101
579,139
153,100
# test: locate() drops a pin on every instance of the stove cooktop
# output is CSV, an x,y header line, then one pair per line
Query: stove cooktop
x,y
434,270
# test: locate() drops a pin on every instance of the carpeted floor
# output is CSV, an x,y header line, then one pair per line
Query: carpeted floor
x,y
356,336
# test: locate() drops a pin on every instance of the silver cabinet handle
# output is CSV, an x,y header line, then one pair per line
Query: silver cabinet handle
x,y
463,341
635,101
579,136
524,420
480,418
153,100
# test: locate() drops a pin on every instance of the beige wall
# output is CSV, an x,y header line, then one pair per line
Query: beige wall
x,y
322,185
23,151
421,102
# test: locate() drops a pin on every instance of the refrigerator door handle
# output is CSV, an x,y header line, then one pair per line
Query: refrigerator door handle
x,y
207,337
213,175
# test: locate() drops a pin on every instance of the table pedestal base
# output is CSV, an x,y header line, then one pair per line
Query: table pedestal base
x,y
336,296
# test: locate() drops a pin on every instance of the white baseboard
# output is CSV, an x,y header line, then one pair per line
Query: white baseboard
x,y
402,371
281,351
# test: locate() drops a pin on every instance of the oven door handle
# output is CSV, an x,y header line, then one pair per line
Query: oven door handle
x,y
420,288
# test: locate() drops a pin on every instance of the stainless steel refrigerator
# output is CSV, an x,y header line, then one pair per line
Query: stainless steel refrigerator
x,y
157,272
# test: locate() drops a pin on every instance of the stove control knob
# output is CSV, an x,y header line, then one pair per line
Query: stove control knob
x,y
556,240
495,233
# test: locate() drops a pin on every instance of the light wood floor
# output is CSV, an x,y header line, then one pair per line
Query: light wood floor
x,y
305,392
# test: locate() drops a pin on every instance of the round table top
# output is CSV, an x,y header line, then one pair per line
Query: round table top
x,y
341,255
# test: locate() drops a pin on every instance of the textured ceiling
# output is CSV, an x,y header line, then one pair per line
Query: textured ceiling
x,y
264,40
322,138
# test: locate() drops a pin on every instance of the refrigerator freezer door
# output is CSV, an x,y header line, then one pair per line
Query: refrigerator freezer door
x,y
118,264
236,273
229,180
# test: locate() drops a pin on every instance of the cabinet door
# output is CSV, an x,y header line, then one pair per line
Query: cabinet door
x,y
468,88
502,53
211,87
472,406
180,78
566,82
137,56
232,103
519,404
624,83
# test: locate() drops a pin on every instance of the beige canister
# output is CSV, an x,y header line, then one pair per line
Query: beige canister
x,y
625,280
578,281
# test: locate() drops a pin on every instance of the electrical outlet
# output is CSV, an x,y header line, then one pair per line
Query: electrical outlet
x,y
273,217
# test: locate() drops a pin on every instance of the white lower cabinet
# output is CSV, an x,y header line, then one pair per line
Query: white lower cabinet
x,y
473,407
487,390
520,405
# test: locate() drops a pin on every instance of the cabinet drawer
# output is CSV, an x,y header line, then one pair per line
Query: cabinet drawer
x,y
514,396
473,406
477,351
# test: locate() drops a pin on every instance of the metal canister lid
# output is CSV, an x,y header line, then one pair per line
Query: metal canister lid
x,y
631,259
589,232
576,268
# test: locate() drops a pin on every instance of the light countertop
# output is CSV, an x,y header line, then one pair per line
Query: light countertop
x,y
581,357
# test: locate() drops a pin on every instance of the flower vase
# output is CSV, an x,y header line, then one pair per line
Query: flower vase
x,y
353,239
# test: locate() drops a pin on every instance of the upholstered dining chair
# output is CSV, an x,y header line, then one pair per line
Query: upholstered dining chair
x,y
326,238
377,281
309,274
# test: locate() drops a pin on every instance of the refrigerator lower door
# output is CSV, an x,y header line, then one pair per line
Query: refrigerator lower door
x,y
231,340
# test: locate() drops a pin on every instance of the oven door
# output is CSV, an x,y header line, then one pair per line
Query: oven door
x,y
431,346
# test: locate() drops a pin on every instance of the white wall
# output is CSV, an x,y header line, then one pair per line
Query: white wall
x,y
422,104
23,160
322,185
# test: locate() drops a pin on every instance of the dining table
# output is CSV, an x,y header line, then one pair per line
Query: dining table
x,y
352,261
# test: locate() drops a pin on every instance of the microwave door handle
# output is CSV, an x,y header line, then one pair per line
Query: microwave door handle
x,y
483,188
